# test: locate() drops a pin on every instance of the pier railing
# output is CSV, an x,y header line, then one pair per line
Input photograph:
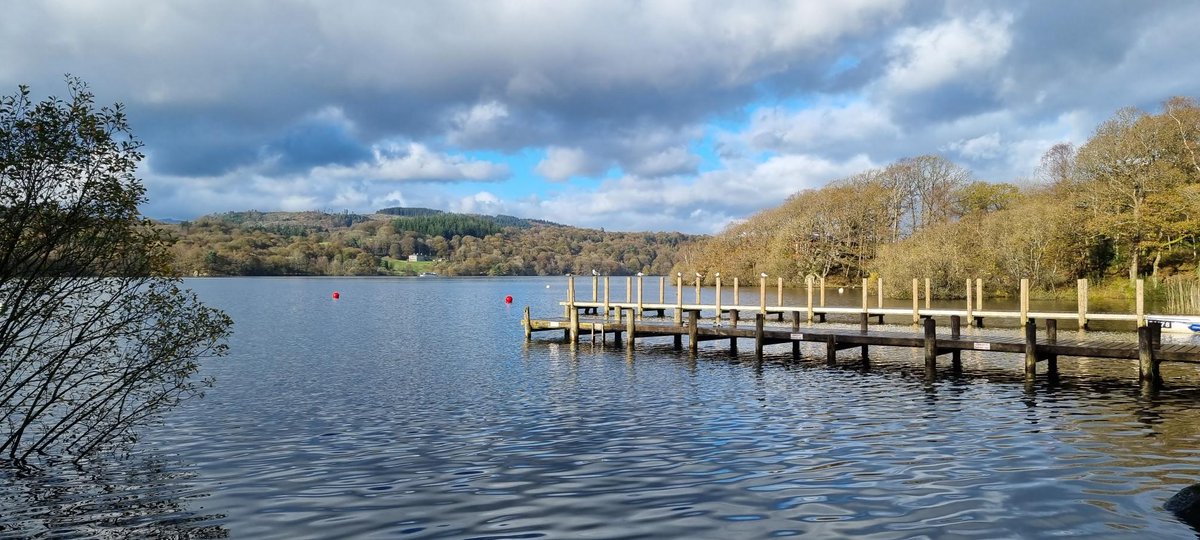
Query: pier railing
x,y
973,312
1148,350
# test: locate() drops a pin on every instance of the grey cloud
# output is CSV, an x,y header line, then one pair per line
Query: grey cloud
x,y
221,87
316,142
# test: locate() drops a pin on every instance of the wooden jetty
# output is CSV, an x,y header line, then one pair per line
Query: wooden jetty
x,y
626,321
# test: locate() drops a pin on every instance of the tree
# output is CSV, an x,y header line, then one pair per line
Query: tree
x,y
94,340
1127,165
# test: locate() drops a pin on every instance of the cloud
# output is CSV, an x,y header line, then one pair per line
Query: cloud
x,y
414,162
822,126
670,203
981,147
373,103
563,163
668,162
954,50
480,122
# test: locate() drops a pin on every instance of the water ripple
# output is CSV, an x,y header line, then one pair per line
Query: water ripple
x,y
366,419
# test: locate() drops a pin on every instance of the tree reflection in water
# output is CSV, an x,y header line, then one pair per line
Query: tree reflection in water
x,y
143,497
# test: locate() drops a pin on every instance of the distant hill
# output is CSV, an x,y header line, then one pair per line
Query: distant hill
x,y
322,243
407,212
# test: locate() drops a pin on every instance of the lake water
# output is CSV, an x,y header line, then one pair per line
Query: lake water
x,y
413,408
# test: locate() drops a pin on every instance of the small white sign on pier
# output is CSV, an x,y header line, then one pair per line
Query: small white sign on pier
x,y
982,346
553,324
798,337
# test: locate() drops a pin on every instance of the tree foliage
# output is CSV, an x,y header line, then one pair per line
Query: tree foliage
x,y
93,342
1126,202
307,243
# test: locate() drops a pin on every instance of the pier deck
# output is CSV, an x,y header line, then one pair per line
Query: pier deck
x,y
627,320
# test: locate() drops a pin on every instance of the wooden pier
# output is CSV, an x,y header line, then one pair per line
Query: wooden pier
x,y
627,322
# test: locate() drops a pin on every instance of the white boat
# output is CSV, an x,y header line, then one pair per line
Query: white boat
x,y
1183,324
428,274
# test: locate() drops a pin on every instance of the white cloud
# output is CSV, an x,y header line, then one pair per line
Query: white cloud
x,y
563,163
482,202
981,147
956,49
415,162
818,126
669,203
676,160
480,121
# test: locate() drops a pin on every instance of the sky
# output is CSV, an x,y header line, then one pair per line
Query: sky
x,y
624,115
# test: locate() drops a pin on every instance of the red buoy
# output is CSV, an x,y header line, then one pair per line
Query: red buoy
x,y
336,295
508,299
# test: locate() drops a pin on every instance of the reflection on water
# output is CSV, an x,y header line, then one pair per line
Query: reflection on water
x,y
412,408
124,497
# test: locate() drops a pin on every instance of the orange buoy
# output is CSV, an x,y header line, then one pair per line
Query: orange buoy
x,y
336,295
508,299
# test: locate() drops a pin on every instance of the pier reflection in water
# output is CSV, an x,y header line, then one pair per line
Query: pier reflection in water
x,y
413,408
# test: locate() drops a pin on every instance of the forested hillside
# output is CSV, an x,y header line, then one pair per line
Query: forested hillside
x,y
1125,204
317,243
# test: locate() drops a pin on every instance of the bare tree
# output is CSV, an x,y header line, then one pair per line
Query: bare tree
x,y
93,340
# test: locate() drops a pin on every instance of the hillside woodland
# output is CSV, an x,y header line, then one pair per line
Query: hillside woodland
x,y
317,243
1125,204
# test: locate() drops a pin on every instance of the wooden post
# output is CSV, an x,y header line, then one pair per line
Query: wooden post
x,y
1024,301
570,297
1140,300
822,291
630,334
809,282
970,312
737,294
1051,337
628,289
927,295
879,293
528,326
762,294
758,335
1147,367
717,317
916,298
796,328
1030,348
639,298
1155,329
693,315
574,334
733,317
679,298
978,294
595,287
618,313
1081,299
930,348
955,333
862,322
606,302
779,292
865,283
677,342
697,289
662,291
831,350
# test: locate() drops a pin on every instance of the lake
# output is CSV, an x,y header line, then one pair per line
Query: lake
x,y
413,408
